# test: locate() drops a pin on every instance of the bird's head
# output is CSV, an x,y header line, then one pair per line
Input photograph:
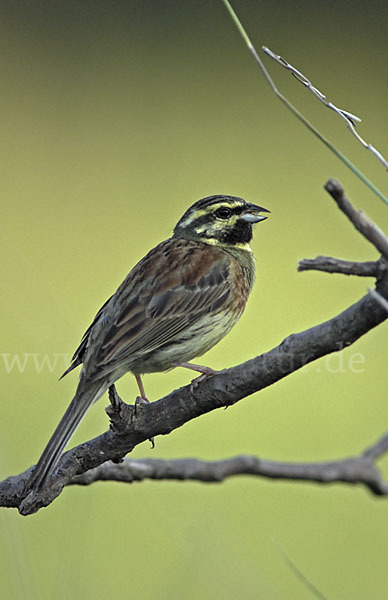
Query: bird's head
x,y
220,221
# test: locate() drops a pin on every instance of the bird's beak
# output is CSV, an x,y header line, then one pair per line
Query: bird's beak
x,y
251,213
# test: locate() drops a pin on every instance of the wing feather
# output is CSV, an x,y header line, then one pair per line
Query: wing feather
x,y
159,315
171,288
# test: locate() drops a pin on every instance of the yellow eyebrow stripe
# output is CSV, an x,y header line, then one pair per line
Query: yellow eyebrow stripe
x,y
221,204
200,212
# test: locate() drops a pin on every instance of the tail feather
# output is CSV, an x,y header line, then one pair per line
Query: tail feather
x,y
82,400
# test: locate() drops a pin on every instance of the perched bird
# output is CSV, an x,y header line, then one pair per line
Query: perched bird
x,y
181,299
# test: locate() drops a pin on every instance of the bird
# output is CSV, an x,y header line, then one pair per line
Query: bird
x,y
179,301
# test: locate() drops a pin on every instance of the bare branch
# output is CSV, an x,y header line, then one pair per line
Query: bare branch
x,y
352,471
376,450
329,264
360,220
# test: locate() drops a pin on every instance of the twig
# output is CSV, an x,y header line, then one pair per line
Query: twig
x,y
298,573
379,298
359,470
294,110
377,449
344,114
328,264
360,220
351,471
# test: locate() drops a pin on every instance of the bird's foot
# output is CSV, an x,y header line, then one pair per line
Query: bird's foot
x,y
141,401
195,382
205,372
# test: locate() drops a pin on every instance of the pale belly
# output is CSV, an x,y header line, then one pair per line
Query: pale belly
x,y
192,343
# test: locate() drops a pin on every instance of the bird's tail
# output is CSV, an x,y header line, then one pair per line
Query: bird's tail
x,y
85,396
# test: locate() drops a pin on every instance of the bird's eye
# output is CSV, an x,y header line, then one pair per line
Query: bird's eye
x,y
223,213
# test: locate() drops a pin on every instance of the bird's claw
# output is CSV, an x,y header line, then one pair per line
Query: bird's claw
x,y
195,382
140,401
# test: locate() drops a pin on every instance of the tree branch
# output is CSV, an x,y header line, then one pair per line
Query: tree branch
x,y
360,220
354,471
132,425
328,264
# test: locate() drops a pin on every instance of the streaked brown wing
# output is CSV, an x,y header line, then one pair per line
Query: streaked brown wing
x,y
154,311
78,355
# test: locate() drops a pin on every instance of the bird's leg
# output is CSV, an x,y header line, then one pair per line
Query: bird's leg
x,y
141,390
205,372
199,368
142,399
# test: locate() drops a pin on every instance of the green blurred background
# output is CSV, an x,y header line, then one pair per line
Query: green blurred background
x,y
115,116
